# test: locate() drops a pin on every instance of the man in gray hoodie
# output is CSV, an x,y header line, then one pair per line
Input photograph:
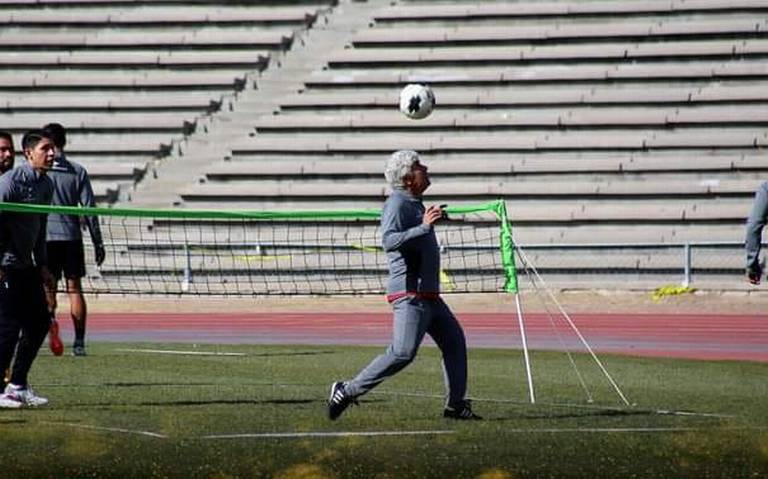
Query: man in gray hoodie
x,y
24,312
413,289
72,187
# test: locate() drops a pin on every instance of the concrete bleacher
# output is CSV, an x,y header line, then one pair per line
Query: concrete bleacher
x,y
598,121
610,120
132,80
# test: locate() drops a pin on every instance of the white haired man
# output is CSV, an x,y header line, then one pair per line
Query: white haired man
x,y
413,289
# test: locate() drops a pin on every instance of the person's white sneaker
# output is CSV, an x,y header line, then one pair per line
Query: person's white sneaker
x,y
10,402
25,396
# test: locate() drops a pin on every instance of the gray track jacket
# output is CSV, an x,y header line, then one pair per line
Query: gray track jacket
x,y
72,187
22,235
411,246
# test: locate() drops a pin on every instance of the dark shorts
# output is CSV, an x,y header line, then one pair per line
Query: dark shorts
x,y
66,257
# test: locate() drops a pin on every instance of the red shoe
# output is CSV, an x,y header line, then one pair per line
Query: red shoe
x,y
54,340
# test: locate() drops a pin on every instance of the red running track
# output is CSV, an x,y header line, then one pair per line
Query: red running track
x,y
699,336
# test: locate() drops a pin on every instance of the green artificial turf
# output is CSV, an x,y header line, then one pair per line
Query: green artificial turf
x,y
101,404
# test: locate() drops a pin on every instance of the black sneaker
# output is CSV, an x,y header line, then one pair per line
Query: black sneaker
x,y
338,401
461,411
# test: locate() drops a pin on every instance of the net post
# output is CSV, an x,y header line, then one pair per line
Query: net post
x,y
187,280
508,248
526,355
687,264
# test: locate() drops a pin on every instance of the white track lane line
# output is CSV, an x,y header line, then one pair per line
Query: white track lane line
x,y
629,429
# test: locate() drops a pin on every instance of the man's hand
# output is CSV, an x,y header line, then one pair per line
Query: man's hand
x,y
99,253
432,214
48,280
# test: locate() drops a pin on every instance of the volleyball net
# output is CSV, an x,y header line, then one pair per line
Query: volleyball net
x,y
320,252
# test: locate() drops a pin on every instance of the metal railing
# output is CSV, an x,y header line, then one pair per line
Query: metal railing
x,y
685,260
682,261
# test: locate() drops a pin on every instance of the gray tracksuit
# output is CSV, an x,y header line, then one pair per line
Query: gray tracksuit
x,y
413,255
24,318
755,224
22,235
72,187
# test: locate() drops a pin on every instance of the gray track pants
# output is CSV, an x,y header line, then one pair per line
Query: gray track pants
x,y
413,317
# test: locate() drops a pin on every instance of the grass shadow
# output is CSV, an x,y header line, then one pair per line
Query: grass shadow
x,y
573,415
212,402
12,421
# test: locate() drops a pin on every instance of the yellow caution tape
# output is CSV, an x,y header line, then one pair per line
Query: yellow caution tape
x,y
671,290
446,280
368,249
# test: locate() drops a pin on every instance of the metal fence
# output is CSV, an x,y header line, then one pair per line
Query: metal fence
x,y
686,263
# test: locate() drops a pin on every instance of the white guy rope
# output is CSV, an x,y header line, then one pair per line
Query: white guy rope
x,y
573,327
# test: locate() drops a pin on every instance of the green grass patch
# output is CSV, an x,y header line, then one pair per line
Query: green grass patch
x,y
101,404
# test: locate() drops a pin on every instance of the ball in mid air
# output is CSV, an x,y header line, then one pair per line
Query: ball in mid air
x,y
417,101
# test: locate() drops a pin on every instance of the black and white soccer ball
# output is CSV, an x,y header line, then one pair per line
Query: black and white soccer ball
x,y
417,101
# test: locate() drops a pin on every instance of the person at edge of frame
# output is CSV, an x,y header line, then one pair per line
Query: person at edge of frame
x,y
413,289
755,223
7,160
7,152
24,306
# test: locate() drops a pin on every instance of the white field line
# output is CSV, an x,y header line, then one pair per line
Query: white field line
x,y
184,353
111,429
662,412
294,435
630,429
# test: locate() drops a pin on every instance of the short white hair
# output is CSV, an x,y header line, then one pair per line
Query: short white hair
x,y
399,164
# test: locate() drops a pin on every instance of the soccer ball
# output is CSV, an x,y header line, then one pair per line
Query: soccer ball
x,y
417,101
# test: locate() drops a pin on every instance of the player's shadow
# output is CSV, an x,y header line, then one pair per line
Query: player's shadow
x,y
210,402
271,354
295,353
571,415
214,402
4,422
180,384
226,402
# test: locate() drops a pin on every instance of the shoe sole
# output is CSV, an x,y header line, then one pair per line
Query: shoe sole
x,y
10,404
459,418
